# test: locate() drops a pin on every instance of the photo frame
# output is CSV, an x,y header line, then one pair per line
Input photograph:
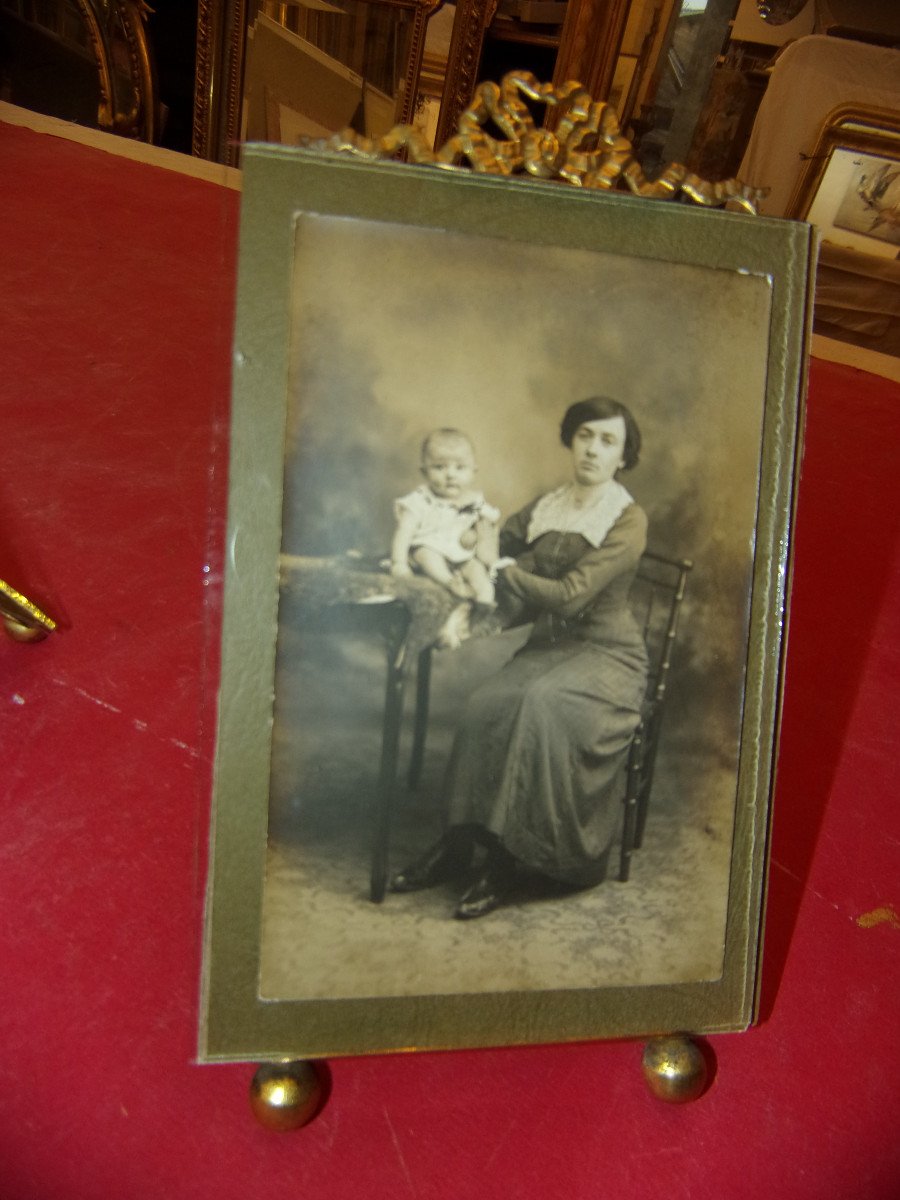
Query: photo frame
x,y
377,303
850,186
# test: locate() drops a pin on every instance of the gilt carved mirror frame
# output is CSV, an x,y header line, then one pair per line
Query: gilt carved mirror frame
x,y
222,27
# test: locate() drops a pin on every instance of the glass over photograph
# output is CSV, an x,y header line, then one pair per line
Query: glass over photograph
x,y
520,502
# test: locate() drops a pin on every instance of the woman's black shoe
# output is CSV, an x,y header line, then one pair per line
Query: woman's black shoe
x,y
489,891
446,859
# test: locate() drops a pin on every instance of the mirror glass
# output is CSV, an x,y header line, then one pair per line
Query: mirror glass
x,y
318,67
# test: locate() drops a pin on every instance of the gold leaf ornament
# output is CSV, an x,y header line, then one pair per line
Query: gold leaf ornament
x,y
585,149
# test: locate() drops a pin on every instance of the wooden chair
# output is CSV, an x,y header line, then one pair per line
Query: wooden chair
x,y
656,598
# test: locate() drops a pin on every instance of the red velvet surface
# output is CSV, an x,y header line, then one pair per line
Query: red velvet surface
x,y
117,284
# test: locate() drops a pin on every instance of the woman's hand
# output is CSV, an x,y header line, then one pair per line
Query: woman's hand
x,y
500,565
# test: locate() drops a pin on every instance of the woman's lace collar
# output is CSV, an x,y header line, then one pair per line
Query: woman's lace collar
x,y
557,512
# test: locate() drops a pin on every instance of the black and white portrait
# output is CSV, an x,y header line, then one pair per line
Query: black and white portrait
x,y
508,428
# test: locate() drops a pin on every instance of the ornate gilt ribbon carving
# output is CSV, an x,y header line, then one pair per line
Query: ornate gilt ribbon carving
x,y
586,148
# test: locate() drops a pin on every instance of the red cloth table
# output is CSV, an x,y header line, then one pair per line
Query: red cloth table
x,y
117,284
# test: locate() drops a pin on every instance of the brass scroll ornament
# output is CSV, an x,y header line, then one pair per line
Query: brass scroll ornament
x,y
585,149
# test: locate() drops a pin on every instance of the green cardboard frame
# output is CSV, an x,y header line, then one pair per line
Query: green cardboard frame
x,y
282,190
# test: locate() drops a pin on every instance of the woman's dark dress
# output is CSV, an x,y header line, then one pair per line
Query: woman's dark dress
x,y
540,744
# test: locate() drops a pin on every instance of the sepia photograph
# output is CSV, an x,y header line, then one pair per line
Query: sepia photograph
x,y
505,587
513,444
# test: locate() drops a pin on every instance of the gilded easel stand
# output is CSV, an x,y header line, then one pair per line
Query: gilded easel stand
x,y
586,147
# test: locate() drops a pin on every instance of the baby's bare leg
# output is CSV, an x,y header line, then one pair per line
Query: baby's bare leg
x,y
478,578
433,564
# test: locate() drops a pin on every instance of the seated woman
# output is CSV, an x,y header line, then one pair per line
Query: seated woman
x,y
539,745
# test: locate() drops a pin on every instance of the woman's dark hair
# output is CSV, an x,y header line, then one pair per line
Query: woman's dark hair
x,y
602,408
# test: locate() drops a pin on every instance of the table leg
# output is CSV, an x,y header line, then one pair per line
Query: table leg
x,y
420,729
387,775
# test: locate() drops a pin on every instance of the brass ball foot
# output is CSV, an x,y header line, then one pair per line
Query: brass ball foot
x,y
285,1095
675,1069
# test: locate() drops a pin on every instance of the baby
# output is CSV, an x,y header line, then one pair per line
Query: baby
x,y
445,528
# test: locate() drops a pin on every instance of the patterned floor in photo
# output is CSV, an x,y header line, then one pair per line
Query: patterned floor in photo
x,y
322,936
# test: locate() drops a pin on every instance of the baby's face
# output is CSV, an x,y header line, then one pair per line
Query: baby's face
x,y
449,468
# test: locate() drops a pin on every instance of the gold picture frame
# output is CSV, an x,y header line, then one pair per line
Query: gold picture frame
x,y
850,186
378,301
